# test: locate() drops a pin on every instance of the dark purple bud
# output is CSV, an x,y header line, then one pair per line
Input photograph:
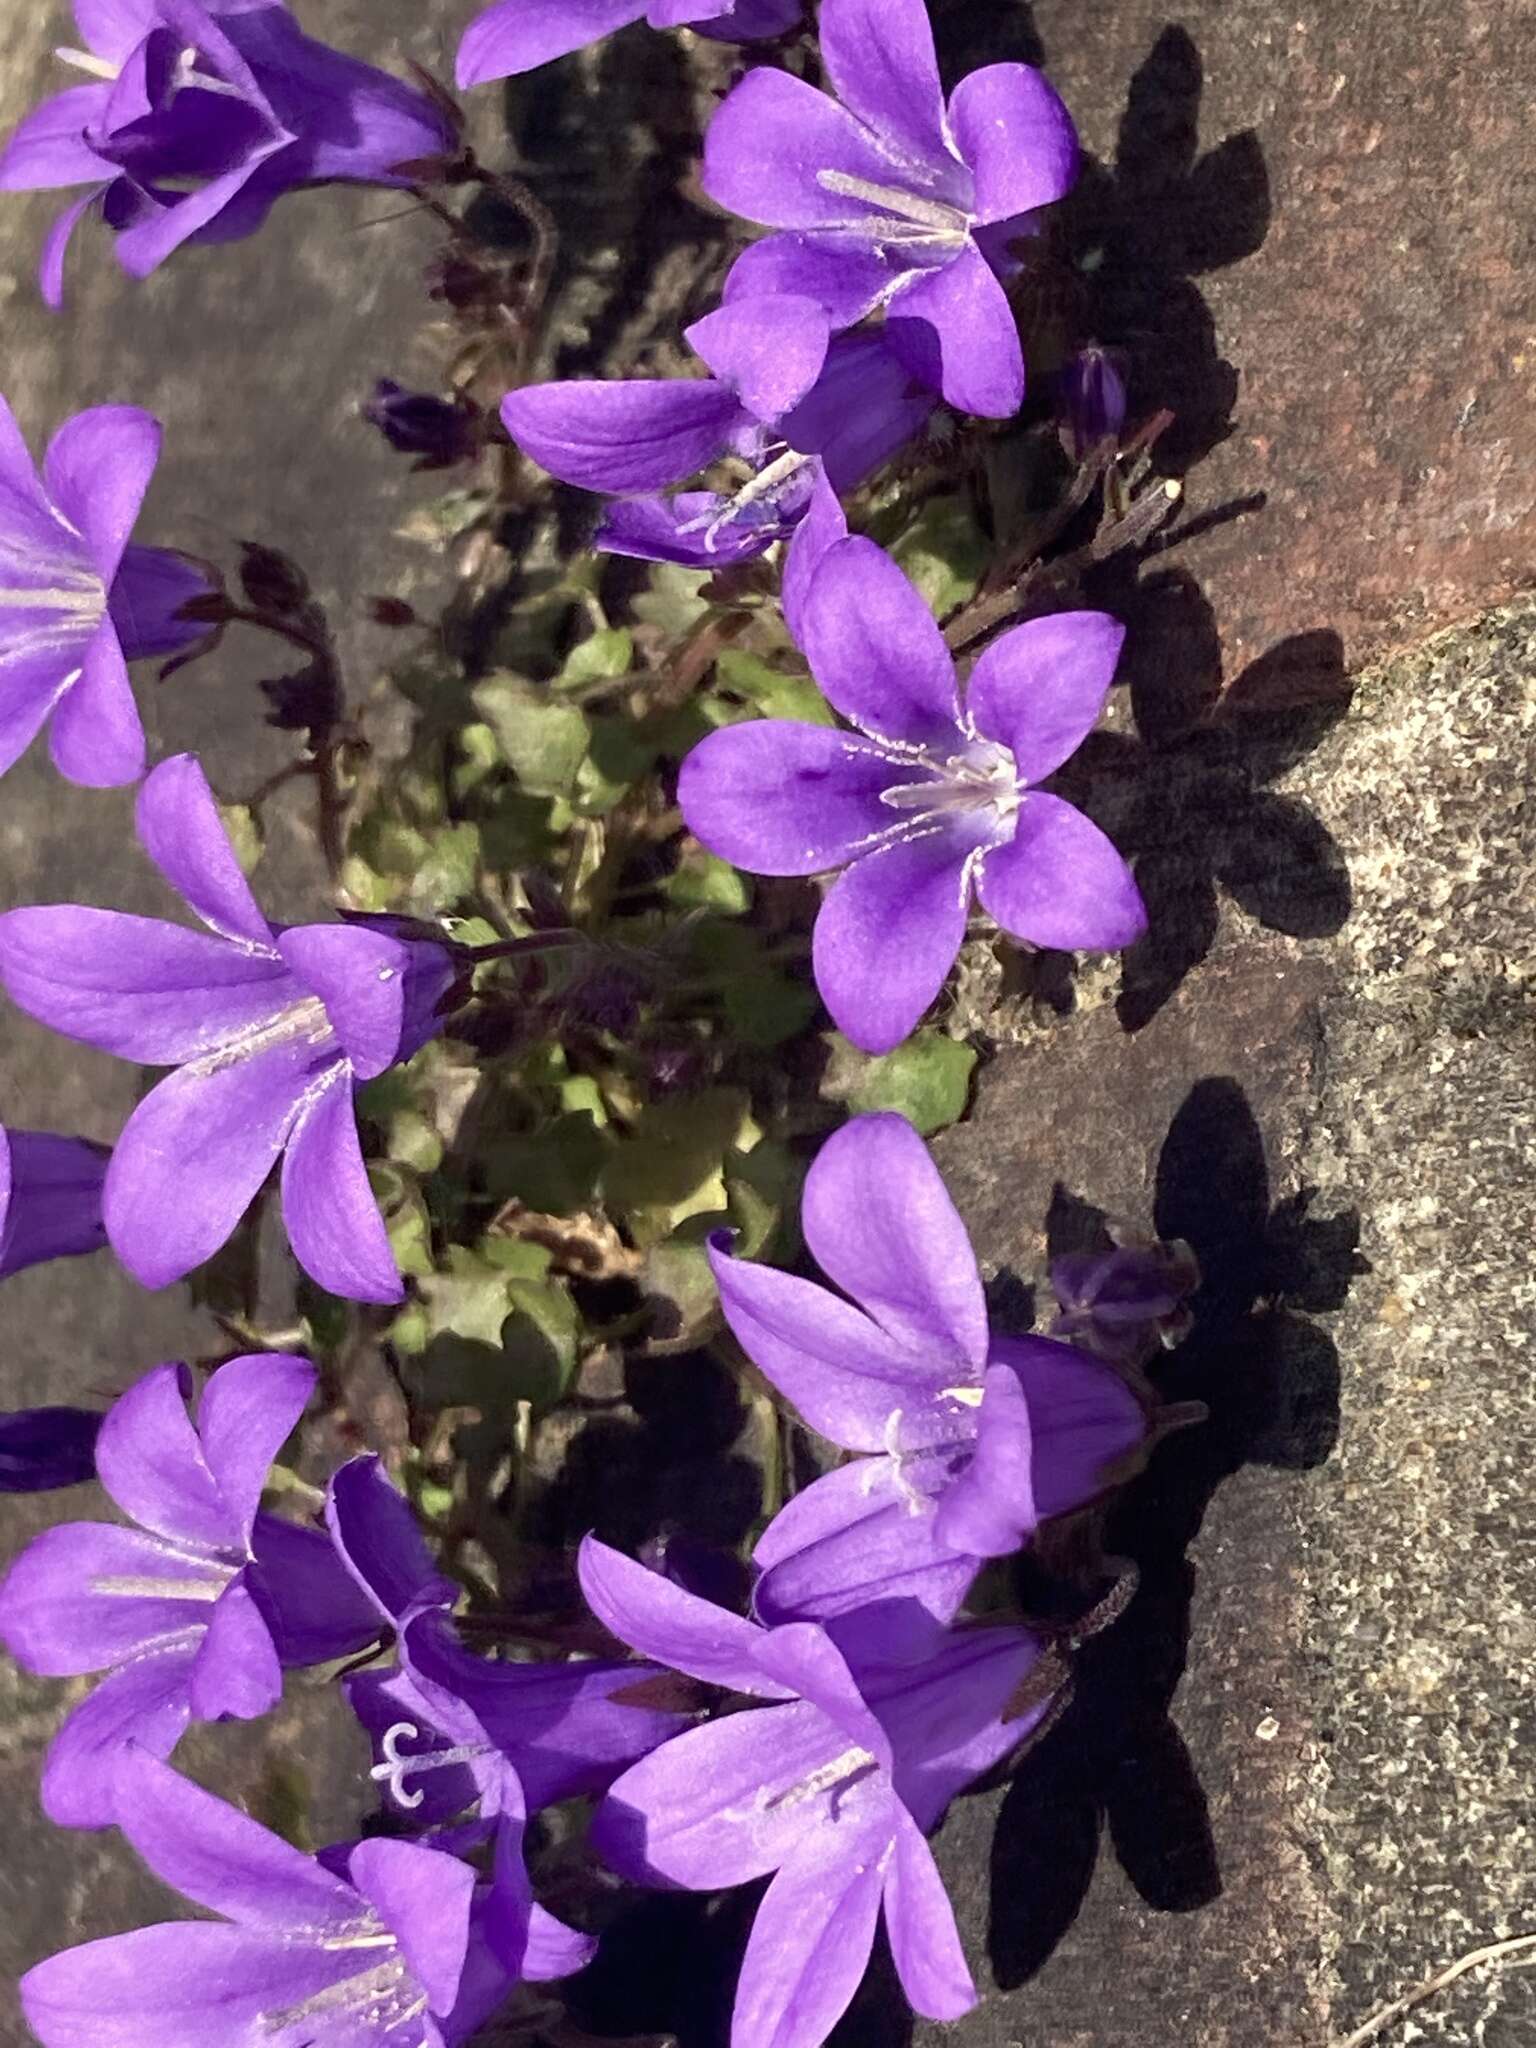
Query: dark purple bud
x,y
437,431
307,701
1090,400
41,1448
271,580
1125,1304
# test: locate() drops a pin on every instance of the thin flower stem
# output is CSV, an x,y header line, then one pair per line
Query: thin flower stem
x,y
1519,1946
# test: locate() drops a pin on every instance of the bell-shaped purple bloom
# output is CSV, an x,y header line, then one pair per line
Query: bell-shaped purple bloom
x,y
927,800
198,115
972,1440
270,1030
1090,400
44,1448
832,1787
886,197
438,431
63,536
146,600
184,1611
50,1198
379,1943
781,402
519,35
1128,1303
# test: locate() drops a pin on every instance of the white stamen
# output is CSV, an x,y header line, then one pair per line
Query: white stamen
x,y
938,220
82,60
164,1589
968,1397
851,1763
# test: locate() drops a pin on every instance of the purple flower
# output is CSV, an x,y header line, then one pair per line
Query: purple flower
x,y
147,597
927,799
50,1198
1128,1303
438,431
179,1611
1090,400
380,1942
270,1030
831,1787
197,116
973,1439
781,401
42,1448
63,536
889,198
519,35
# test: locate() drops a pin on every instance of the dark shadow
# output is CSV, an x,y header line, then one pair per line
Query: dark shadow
x,y
1269,1376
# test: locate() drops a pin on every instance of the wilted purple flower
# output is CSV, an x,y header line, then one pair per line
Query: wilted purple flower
x,y
780,401
927,800
63,535
380,1942
519,35
42,1448
270,1030
1090,400
832,1787
890,198
50,1198
438,431
976,1438
152,586
1128,1303
198,116
179,1612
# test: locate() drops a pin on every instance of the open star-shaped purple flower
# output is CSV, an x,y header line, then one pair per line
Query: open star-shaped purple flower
x,y
193,1613
927,800
781,401
831,1786
887,197
270,1030
519,35
380,1942
63,537
197,116
972,1439
50,1198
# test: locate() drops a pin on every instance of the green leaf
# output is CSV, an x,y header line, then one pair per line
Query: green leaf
x,y
618,757
927,1079
554,1170
673,603
775,693
245,834
944,551
672,1163
544,744
602,657
704,882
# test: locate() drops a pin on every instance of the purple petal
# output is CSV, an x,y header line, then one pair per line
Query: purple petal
x,y
821,528
845,280
29,690
865,406
385,1705
424,1898
379,1540
634,435
236,1672
1039,689
48,149
310,1604
682,529
779,798
150,1459
151,587
113,29
769,352
875,649
1017,137
887,935
178,821
220,1858
989,1510
770,145
804,1657
672,1627
956,332
953,1718
879,58
746,21
509,1906
1060,883
852,1381
1083,1417
925,1943
97,738
146,991
249,1409
810,1942
145,1703
85,1595
333,1221
193,1156
519,35
97,469
553,1949
50,1198
879,1221
50,267
359,975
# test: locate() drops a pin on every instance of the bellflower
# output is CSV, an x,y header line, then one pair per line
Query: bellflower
x,y
197,115
886,197
519,35
379,1942
193,1612
438,431
831,1786
44,1448
1090,400
1128,1303
50,1198
971,1439
63,539
270,1030
146,600
780,400
927,800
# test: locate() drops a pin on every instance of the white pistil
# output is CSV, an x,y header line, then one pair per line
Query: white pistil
x,y
396,1768
90,601
896,208
307,1020
82,60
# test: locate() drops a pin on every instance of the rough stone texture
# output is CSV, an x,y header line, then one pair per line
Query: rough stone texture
x,y
1317,227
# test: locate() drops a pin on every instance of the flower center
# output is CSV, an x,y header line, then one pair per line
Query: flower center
x,y
395,1768
307,1020
985,777
771,481
895,214
837,1776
